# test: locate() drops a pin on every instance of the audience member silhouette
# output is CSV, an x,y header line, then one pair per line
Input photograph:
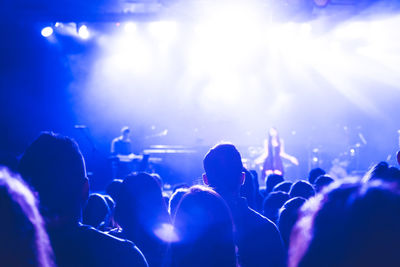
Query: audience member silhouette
x,y
258,240
271,181
322,182
113,188
141,212
314,174
272,204
23,238
354,224
302,189
175,199
54,166
283,186
96,211
204,227
288,216
383,171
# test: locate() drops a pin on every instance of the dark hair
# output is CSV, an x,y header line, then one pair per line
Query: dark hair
x,y
142,213
175,199
283,186
96,211
205,230
223,167
353,224
383,171
113,188
54,166
272,181
288,216
322,182
273,202
140,206
24,241
314,174
301,189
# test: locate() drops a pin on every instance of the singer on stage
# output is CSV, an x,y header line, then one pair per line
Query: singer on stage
x,y
273,153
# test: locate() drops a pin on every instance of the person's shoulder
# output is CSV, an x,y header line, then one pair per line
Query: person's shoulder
x,y
259,219
116,139
118,249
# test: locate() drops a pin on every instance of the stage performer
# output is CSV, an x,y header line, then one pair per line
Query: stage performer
x,y
121,151
273,153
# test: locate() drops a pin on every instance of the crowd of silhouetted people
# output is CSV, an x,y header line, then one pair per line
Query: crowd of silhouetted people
x,y
51,218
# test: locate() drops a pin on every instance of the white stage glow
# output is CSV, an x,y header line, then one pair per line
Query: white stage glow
x,y
83,32
130,27
47,31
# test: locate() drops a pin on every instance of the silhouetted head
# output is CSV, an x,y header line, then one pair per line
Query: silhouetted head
x,y
140,207
383,171
175,199
96,211
301,189
272,203
54,166
283,186
322,182
272,181
113,188
224,169
24,241
353,224
205,230
314,174
288,215
125,131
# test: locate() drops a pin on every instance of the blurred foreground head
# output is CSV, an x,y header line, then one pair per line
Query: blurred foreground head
x,y
24,241
54,166
352,224
205,230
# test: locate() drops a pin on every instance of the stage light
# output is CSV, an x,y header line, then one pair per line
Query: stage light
x,y
130,27
163,31
83,32
47,31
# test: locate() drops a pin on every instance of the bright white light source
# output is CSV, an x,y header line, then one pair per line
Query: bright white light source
x,y
130,55
84,32
164,31
130,27
47,31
